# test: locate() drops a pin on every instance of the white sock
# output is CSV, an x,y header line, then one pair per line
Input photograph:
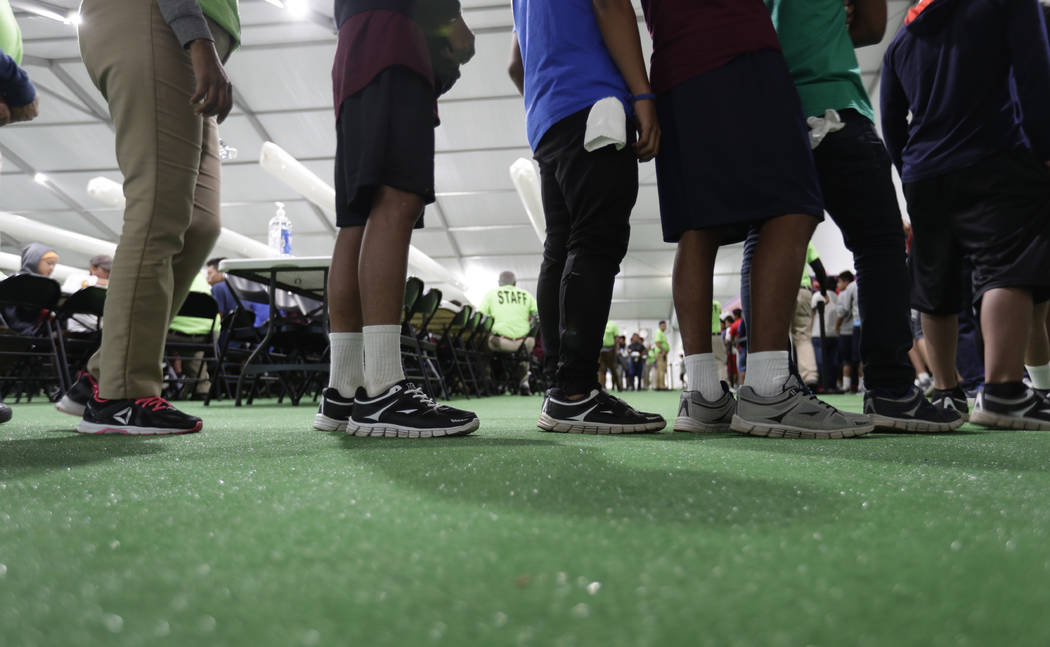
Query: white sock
x,y
922,377
382,358
701,371
846,383
1040,376
348,362
767,371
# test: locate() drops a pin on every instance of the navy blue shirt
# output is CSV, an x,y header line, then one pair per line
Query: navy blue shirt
x,y
15,86
567,66
950,66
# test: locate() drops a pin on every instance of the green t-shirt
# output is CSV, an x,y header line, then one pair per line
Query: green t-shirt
x,y
716,317
226,14
811,255
660,341
10,35
511,307
195,325
820,54
612,331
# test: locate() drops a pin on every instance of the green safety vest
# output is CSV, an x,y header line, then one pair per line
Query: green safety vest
x,y
223,12
10,34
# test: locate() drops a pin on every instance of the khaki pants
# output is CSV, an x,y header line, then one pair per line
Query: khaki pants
x,y
169,158
801,326
607,361
661,372
501,344
718,347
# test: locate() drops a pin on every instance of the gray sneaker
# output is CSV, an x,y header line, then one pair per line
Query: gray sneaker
x,y
794,413
700,416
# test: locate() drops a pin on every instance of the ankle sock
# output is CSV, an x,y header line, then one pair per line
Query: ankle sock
x,y
1040,376
1005,390
382,358
701,374
348,362
767,371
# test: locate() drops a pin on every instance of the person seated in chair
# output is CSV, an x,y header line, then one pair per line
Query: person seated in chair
x,y
512,308
38,260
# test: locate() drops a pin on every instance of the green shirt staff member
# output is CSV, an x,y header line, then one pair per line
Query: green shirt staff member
x,y
662,347
18,101
510,306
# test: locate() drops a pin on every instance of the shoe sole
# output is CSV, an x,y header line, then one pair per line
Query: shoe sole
x,y
324,423
764,430
999,421
96,429
885,423
547,423
379,430
70,407
691,425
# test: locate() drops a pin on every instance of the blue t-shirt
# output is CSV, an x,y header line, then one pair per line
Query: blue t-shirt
x,y
567,66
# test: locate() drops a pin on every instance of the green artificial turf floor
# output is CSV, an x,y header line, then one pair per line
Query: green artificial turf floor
x,y
262,531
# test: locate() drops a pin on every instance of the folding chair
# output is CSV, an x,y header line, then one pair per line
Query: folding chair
x,y
419,353
86,306
198,305
30,358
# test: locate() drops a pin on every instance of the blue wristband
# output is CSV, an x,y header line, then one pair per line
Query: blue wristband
x,y
648,96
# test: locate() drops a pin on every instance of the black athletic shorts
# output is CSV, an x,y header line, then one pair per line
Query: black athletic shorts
x,y
384,137
996,214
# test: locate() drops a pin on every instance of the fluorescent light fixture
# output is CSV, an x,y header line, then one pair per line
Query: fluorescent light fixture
x,y
298,8
73,18
40,178
41,11
106,191
26,229
276,3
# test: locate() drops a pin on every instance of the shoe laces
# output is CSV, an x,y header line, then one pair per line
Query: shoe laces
x,y
420,396
155,403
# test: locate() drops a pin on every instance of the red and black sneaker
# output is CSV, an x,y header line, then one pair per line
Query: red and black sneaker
x,y
76,398
152,416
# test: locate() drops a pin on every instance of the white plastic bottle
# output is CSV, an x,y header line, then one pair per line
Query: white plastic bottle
x,y
280,238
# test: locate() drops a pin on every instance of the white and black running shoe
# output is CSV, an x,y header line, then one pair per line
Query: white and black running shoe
x,y
910,412
700,416
334,411
76,398
952,399
405,411
598,413
794,413
1028,411
142,417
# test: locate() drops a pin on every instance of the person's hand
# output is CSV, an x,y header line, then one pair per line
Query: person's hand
x,y
648,144
27,112
214,93
5,113
850,10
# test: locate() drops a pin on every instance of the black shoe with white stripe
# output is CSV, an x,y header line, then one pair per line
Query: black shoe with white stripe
x,y
75,400
1027,411
952,399
910,412
405,411
142,417
598,413
334,411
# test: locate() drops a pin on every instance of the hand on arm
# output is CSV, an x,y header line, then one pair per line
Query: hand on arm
x,y
619,27
866,20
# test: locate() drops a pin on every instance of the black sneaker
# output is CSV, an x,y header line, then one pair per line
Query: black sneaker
x,y
405,411
5,413
334,411
910,412
76,399
598,413
152,416
1029,411
954,399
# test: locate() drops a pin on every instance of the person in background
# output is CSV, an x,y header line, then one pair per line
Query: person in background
x,y
826,347
718,343
623,362
99,268
196,330
37,260
965,99
512,308
220,289
607,358
578,62
393,59
159,66
638,354
18,99
801,324
846,324
660,350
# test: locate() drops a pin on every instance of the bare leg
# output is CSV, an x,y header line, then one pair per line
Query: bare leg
x,y
916,359
344,294
774,280
1006,318
383,261
942,340
1038,352
694,266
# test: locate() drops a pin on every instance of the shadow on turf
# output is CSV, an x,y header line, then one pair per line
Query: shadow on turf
x,y
25,457
551,478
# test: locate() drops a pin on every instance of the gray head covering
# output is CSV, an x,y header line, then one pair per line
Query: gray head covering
x,y
507,278
32,254
105,261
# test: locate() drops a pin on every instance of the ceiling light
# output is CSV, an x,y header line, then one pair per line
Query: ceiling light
x,y
276,3
73,18
40,10
298,8
40,178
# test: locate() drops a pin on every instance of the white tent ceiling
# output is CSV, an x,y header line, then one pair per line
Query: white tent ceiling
x,y
282,78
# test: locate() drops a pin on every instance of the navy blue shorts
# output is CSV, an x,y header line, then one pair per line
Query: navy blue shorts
x,y
734,149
